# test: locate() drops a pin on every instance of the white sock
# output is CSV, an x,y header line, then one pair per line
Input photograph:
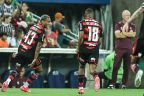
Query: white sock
x,y
25,84
8,80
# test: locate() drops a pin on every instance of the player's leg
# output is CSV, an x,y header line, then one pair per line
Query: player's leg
x,y
116,66
126,67
81,77
92,68
81,73
93,60
37,68
12,75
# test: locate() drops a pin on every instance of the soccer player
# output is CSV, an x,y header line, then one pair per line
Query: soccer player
x,y
123,49
138,48
90,33
28,52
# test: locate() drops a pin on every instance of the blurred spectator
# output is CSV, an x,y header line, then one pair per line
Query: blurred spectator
x,y
19,23
8,28
3,41
19,80
50,40
7,7
59,29
123,49
15,3
108,68
27,14
1,3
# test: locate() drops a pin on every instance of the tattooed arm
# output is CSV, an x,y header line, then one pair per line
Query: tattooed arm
x,y
37,51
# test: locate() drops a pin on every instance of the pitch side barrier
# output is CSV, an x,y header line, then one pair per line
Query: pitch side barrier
x,y
51,51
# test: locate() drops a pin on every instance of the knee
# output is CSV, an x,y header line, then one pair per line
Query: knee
x,y
13,73
34,75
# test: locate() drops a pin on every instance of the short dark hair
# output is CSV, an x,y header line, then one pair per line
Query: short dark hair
x,y
89,11
44,17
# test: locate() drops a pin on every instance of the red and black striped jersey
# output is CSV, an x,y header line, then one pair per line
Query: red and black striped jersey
x,y
92,33
29,42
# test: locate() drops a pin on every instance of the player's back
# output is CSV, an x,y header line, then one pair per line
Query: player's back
x,y
92,33
29,42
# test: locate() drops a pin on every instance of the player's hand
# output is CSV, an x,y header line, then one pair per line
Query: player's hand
x,y
32,64
125,27
14,55
133,67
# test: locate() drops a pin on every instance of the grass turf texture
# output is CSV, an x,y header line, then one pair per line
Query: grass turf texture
x,y
73,92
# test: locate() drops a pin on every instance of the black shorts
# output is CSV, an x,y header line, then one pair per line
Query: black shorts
x,y
90,58
24,60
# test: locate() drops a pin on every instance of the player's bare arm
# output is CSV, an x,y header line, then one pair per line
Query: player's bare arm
x,y
119,34
37,51
134,15
100,41
80,40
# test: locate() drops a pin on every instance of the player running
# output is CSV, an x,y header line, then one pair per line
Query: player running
x,y
28,52
90,33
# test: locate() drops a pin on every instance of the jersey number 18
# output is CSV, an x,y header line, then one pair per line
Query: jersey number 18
x,y
93,34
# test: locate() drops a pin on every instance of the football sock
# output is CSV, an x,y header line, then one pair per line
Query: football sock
x,y
81,80
8,80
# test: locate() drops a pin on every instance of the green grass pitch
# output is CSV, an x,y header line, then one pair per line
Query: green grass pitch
x,y
73,92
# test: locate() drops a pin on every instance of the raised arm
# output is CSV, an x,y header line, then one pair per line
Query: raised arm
x,y
134,16
37,51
